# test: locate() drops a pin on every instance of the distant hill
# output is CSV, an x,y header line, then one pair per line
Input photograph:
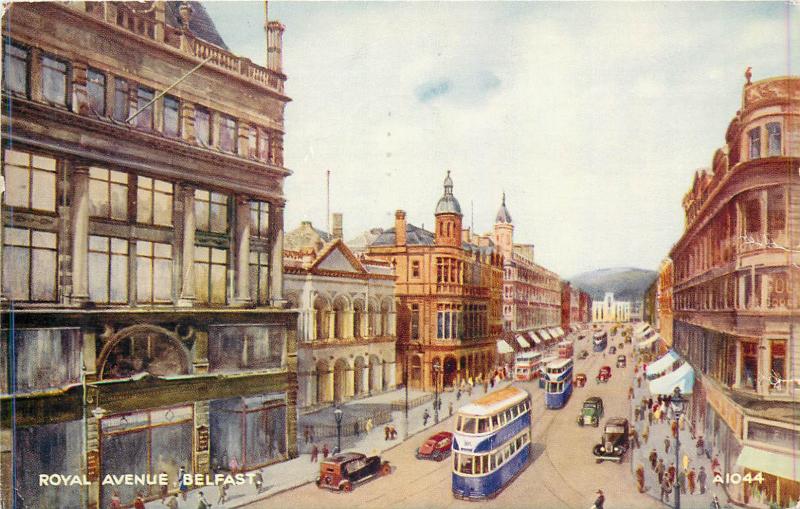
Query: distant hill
x,y
627,283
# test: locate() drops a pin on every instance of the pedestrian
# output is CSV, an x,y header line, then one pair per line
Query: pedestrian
x,y
234,466
600,500
701,480
258,480
314,453
657,413
649,416
700,446
671,472
646,433
139,502
392,432
691,477
386,432
368,427
666,445
172,502
640,478
630,392
450,409
666,488
685,461
650,402
674,428
311,434
682,422
715,503
458,394
164,489
116,503
682,482
325,451
305,434
223,493
638,382
182,486
660,468
355,428
636,413
425,417
653,458
491,381
715,465
634,438
202,502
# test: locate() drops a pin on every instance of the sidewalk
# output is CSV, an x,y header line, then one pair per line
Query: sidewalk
x,y
657,433
296,472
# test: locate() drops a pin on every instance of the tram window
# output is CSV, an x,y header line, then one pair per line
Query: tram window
x,y
458,423
495,421
513,447
485,464
469,425
483,425
492,462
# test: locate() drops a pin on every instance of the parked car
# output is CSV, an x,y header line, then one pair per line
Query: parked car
x,y
603,374
580,380
584,354
343,471
612,350
620,346
621,361
591,412
614,442
437,447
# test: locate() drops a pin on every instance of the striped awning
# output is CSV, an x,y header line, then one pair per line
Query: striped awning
x,y
536,339
521,341
503,347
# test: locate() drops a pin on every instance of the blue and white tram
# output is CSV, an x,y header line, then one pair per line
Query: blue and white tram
x,y
491,443
600,341
543,368
558,387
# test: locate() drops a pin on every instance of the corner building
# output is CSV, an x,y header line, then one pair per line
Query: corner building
x,y
736,294
449,294
143,320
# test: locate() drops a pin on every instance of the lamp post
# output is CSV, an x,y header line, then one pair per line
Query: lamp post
x,y
678,403
405,383
436,370
337,414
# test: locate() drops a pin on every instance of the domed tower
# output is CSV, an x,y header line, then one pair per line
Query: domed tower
x,y
504,230
448,217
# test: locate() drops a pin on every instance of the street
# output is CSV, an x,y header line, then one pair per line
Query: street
x,y
563,472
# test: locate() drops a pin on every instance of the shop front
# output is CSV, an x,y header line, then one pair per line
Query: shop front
x,y
770,450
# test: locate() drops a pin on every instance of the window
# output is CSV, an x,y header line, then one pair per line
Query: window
x,y
96,90
414,321
752,211
153,272
773,139
252,143
211,211
259,277
776,215
144,108
121,100
777,352
29,265
54,81
108,265
15,69
172,117
30,180
227,133
755,142
263,145
202,126
108,194
259,219
210,274
749,364
415,268
154,201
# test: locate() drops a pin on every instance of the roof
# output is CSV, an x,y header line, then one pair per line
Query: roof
x,y
306,236
492,402
618,421
593,399
345,457
414,236
201,24
440,436
503,215
448,204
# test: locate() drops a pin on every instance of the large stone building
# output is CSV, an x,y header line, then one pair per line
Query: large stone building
x,y
346,326
737,293
531,293
611,310
144,326
664,300
449,292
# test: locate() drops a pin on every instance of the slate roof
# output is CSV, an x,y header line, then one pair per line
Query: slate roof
x,y
414,236
201,24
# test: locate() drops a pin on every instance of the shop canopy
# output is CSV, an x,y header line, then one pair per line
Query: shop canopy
x,y
683,378
560,331
543,333
642,327
536,339
786,466
647,343
521,341
503,347
553,333
662,363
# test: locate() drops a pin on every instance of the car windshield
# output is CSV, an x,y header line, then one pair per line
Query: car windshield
x,y
587,410
615,429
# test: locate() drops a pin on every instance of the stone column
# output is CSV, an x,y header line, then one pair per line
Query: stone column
x,y
242,242
187,296
80,234
276,254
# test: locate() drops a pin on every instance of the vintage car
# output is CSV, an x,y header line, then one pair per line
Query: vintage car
x,y
620,346
584,354
437,447
614,442
343,471
580,380
603,374
612,350
591,412
581,336
621,361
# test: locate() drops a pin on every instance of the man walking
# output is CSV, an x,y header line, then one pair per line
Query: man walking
x,y
640,478
691,477
425,417
701,480
700,446
325,451
653,458
666,488
667,441
660,468
203,503
646,433
600,500
682,481
314,453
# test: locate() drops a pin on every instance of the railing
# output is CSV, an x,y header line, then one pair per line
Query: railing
x,y
136,23
400,404
351,427
231,62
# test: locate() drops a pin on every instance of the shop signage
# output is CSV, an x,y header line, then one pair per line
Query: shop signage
x,y
202,438
92,465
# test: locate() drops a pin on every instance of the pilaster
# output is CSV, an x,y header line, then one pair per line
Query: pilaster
x,y
80,234
187,295
242,245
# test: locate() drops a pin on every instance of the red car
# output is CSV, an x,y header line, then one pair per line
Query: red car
x,y
604,374
436,447
342,471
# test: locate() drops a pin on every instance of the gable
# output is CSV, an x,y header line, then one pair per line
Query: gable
x,y
338,261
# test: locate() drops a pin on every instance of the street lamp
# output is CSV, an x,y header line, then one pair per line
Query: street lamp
x,y
436,370
678,403
337,414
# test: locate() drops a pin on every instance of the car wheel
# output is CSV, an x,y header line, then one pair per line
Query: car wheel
x,y
386,469
347,487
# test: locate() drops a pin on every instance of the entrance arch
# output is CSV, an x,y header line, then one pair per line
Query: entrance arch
x,y
450,371
375,374
323,382
416,371
359,367
143,348
340,370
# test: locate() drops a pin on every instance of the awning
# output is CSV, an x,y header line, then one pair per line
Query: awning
x,y
553,332
683,378
536,339
543,333
502,347
786,466
522,342
647,342
662,363
642,327
560,331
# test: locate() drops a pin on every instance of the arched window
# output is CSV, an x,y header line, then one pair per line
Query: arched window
x,y
385,310
321,318
358,317
339,309
373,316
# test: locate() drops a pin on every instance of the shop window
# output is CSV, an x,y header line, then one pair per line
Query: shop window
x,y
210,267
108,266
15,68
202,126
54,81
245,347
154,201
250,432
259,219
47,448
211,211
96,91
754,136
773,138
108,194
776,215
227,134
752,212
144,108
45,358
777,354
172,117
749,365
153,272
30,180
414,321
29,265
259,277
122,104
145,351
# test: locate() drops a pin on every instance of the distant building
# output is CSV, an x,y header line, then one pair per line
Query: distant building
x,y
610,310
637,310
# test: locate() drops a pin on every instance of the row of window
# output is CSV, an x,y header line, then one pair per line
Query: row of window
x,y
471,425
772,132
482,464
453,323
56,85
753,291
531,276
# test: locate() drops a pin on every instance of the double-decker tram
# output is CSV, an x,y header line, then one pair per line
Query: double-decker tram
x,y
565,350
543,368
558,386
526,366
599,341
491,443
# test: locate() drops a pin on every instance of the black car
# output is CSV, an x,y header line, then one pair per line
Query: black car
x,y
614,442
612,350
584,354
343,471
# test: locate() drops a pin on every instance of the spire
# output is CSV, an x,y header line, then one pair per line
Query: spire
x,y
503,215
448,204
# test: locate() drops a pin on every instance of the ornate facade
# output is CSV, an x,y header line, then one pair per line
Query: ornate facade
x,y
611,310
664,300
142,250
736,292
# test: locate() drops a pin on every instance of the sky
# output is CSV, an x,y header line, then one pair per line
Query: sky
x,y
592,117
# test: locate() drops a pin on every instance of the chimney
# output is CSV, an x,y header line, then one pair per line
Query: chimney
x,y
400,228
336,225
275,46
